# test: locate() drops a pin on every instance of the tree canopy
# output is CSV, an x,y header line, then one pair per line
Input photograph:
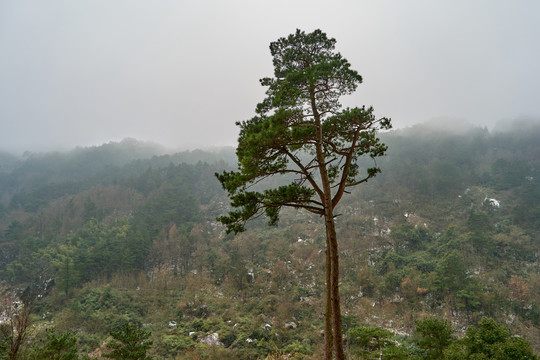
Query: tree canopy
x,y
301,128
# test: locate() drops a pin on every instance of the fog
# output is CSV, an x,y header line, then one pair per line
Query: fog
x,y
181,73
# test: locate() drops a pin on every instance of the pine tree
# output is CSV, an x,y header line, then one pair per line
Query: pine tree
x,y
300,129
130,343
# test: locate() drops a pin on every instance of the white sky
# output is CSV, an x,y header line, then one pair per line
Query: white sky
x,y
178,72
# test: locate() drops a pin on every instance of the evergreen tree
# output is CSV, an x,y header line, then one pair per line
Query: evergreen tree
x,y
130,343
433,335
490,340
301,130
56,347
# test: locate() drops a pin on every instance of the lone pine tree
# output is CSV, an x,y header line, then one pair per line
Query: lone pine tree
x,y
301,129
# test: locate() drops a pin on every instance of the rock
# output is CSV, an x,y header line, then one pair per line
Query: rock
x,y
493,202
290,325
212,339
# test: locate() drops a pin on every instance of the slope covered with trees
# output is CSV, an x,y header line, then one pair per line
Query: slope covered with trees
x,y
449,229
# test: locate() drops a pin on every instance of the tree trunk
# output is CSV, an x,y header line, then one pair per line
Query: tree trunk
x,y
332,276
336,307
328,338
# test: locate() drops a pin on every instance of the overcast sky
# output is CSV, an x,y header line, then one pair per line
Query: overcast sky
x,y
181,73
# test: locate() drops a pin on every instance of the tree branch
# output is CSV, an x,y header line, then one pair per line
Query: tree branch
x,y
346,168
305,172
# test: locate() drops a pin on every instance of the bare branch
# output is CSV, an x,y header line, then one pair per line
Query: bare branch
x,y
305,172
346,168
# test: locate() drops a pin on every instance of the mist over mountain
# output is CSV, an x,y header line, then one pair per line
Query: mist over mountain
x,y
518,125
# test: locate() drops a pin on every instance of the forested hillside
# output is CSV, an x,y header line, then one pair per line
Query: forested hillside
x,y
123,233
